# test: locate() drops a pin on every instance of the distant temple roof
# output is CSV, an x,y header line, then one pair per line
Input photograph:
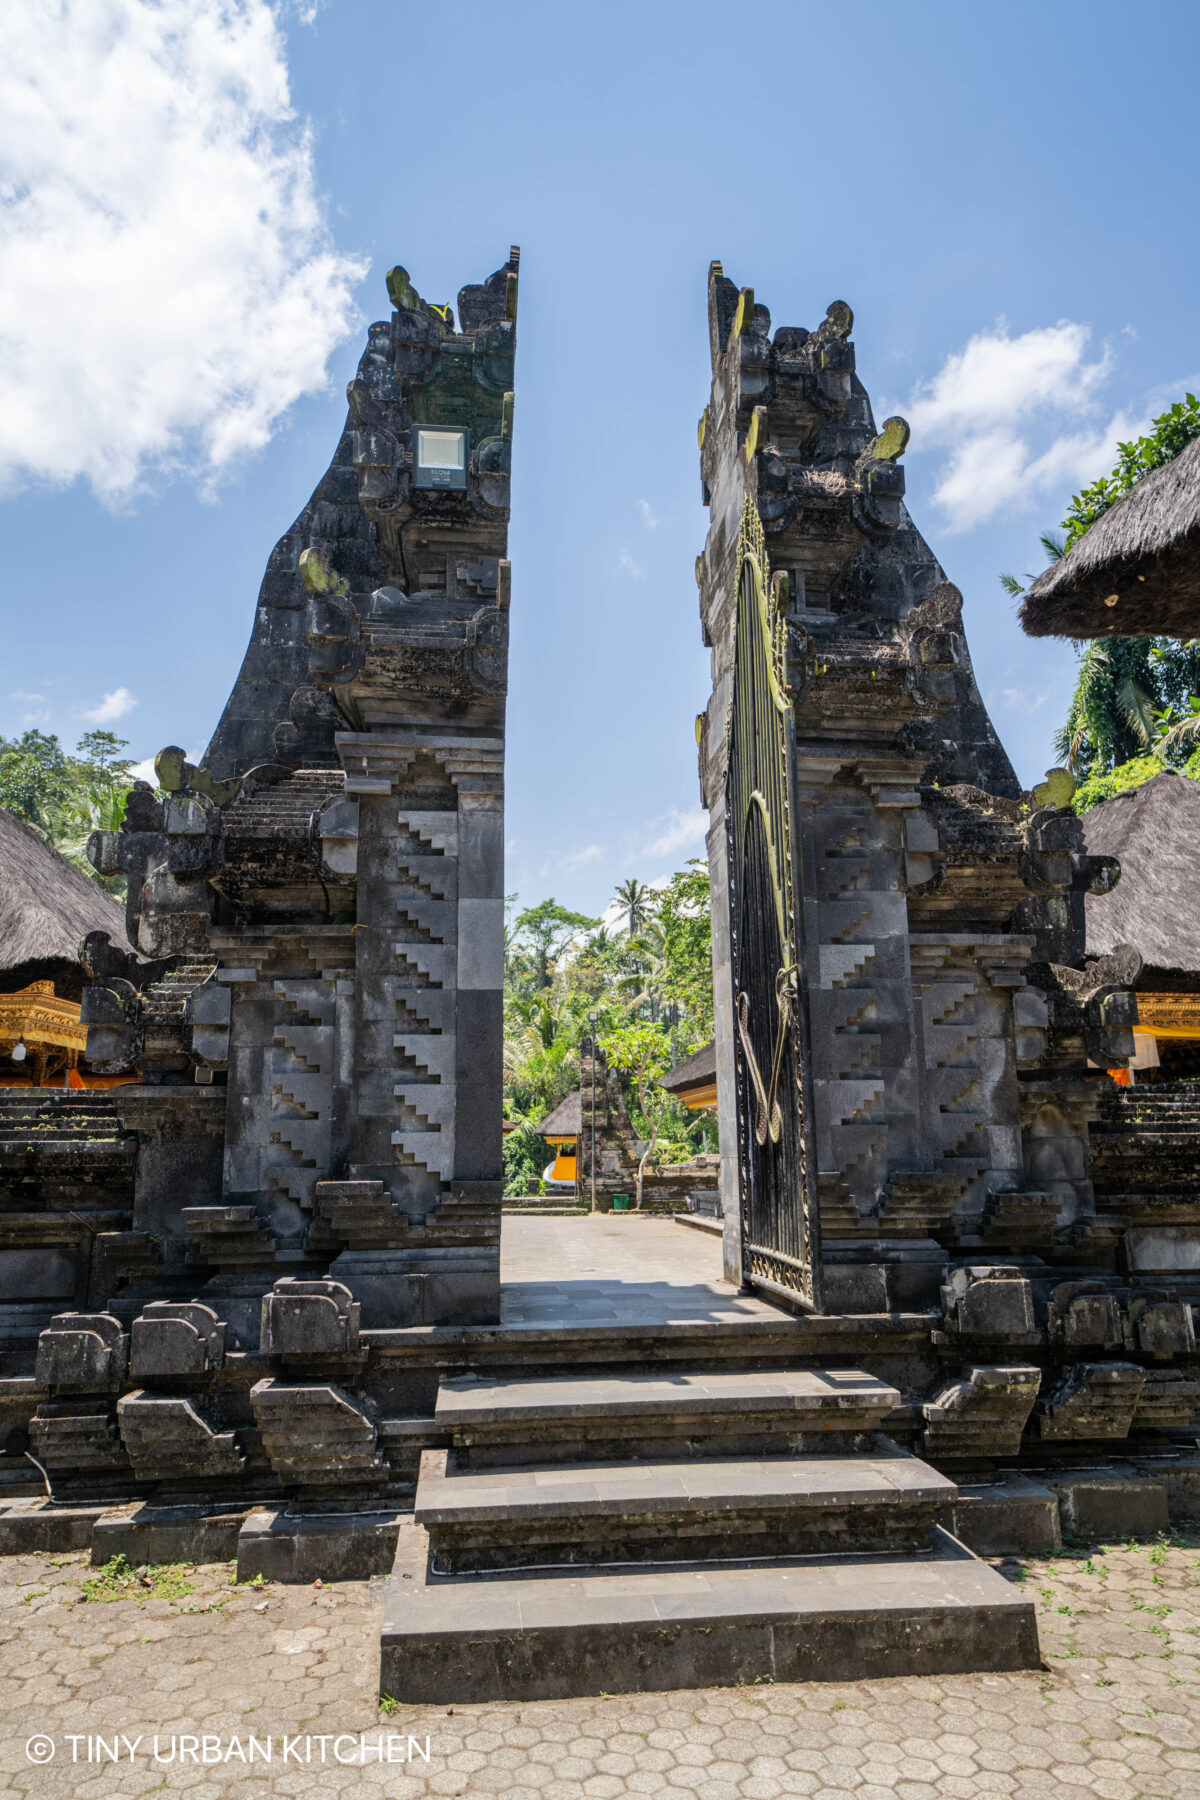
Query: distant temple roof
x,y
694,1081
47,908
566,1121
1155,831
1136,571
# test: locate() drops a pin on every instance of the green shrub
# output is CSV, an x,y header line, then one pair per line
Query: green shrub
x,y
1121,780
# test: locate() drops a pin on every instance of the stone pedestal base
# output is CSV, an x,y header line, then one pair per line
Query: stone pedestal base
x,y
422,1287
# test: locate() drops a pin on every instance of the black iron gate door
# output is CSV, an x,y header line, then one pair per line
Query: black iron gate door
x,y
776,1177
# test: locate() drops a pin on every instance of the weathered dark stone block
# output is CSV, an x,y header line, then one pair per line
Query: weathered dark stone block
x,y
989,1302
1110,1503
348,1547
309,1318
1093,1400
175,1339
984,1414
152,1534
85,1352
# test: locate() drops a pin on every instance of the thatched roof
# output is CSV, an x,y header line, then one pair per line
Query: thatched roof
x,y
1145,551
1155,831
699,1070
47,907
566,1121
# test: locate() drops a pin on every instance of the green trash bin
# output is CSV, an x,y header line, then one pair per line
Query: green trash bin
x,y
620,1202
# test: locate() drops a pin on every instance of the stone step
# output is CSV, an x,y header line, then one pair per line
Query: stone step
x,y
62,1144
703,1507
57,1119
593,1418
463,1640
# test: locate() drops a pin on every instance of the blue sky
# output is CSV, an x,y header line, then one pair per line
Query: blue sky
x,y
200,199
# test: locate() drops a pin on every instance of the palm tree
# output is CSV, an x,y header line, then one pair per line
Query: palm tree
x,y
652,966
635,900
1055,546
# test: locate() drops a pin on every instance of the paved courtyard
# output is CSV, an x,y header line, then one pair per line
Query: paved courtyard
x,y
1115,1714
615,1269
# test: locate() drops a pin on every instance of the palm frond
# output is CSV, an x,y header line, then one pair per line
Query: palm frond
x,y
1138,708
1184,733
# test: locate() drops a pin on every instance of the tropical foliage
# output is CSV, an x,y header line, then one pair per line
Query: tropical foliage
x,y
1134,697
643,985
65,798
1125,777
1171,432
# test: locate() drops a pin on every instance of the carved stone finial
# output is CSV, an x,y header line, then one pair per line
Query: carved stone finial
x,y
756,437
318,576
1056,790
891,442
401,292
838,321
1120,968
169,766
744,315
174,773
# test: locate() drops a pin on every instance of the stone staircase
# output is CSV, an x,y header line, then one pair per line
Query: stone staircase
x,y
640,1530
1145,1149
63,1147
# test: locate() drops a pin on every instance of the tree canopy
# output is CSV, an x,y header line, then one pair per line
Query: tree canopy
x,y
1171,432
650,990
1134,697
65,798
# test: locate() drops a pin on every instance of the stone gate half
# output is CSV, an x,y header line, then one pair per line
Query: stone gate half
x,y
903,1026
316,1014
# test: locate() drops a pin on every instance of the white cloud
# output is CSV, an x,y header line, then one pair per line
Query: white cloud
x,y
998,379
169,284
36,711
579,859
144,771
648,518
576,859
1024,700
1018,418
676,831
114,706
629,566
